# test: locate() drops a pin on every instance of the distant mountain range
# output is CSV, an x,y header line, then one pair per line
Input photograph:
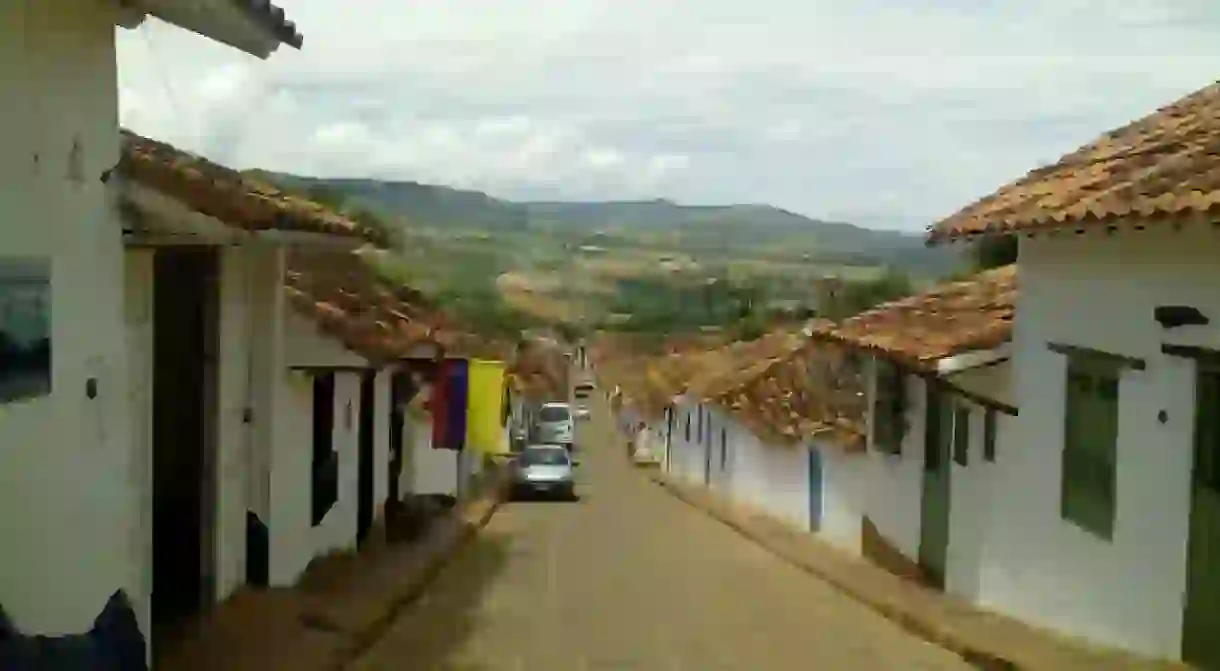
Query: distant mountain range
x,y
699,226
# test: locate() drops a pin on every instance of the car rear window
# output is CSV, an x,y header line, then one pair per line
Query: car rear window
x,y
553,413
544,457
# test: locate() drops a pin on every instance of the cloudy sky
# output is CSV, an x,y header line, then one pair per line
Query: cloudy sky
x,y
884,112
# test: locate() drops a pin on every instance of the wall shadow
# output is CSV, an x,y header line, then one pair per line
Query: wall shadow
x,y
428,633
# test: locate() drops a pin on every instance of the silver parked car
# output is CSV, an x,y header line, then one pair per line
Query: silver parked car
x,y
544,470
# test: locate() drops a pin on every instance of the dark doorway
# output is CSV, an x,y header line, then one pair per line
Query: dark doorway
x,y
399,385
184,430
364,464
325,477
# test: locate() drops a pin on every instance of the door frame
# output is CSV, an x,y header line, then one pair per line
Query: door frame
x,y
934,532
817,482
365,441
166,261
1200,648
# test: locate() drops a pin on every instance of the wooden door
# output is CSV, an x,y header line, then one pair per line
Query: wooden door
x,y
1201,619
934,503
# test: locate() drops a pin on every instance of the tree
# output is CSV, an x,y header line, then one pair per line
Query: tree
x,y
861,295
387,231
993,252
326,195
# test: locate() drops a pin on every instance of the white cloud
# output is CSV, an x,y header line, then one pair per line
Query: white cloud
x,y
813,105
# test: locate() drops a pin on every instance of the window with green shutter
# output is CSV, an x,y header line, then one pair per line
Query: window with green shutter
x,y
1090,441
989,429
889,408
961,434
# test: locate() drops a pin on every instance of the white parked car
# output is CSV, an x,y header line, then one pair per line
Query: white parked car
x,y
555,425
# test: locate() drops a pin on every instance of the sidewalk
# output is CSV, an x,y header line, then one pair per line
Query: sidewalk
x,y
988,640
336,611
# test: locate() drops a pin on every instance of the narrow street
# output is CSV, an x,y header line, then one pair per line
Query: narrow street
x,y
632,578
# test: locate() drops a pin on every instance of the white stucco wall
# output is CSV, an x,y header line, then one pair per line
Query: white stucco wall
x,y
771,478
1127,591
970,489
234,361
293,539
721,470
894,487
267,368
138,314
434,471
65,456
686,460
844,492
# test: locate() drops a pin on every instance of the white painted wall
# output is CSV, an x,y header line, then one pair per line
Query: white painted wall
x,y
894,487
771,478
267,369
435,471
1127,591
63,455
971,489
845,486
235,332
138,315
293,539
686,460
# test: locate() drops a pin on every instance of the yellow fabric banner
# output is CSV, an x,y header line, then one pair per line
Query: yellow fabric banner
x,y
485,432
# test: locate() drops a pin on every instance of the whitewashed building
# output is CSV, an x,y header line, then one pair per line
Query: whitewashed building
x,y
939,402
763,424
208,343
1107,520
76,449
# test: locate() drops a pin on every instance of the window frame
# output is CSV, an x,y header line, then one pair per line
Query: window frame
x,y
324,462
962,413
889,406
989,435
1088,483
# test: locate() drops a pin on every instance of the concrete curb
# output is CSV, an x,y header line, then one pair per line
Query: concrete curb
x,y
967,650
470,518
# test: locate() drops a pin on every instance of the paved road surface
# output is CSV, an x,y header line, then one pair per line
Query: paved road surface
x,y
631,578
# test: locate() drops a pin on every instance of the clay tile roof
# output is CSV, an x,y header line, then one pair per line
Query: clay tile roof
x,y
951,318
348,301
227,195
1162,166
811,392
538,372
704,374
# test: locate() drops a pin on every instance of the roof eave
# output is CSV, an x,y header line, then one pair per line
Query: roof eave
x,y
255,27
156,218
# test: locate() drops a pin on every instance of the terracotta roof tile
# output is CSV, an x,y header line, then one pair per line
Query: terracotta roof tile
x,y
538,371
227,195
971,314
811,392
782,386
349,302
1162,166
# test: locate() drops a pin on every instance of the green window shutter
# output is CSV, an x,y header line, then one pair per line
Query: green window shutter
x,y
1090,439
889,408
961,434
989,429
933,428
